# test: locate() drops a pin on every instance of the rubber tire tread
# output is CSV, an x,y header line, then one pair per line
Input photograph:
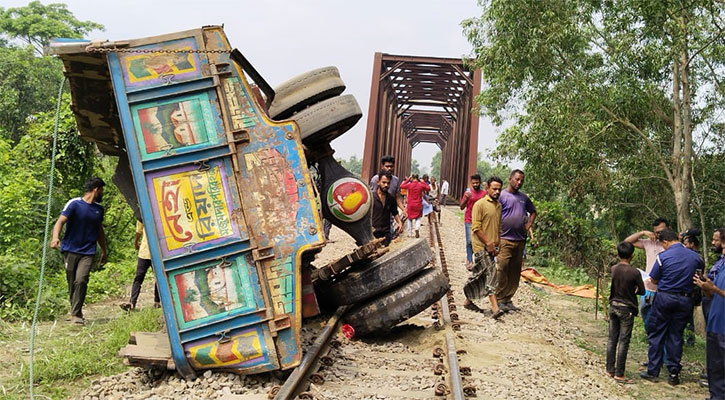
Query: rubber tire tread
x,y
303,90
379,275
395,306
328,119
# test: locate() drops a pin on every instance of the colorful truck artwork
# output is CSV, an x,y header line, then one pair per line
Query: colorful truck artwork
x,y
226,190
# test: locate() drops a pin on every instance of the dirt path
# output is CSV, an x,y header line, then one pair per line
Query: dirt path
x,y
552,349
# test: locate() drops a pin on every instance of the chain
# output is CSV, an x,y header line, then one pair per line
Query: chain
x,y
114,49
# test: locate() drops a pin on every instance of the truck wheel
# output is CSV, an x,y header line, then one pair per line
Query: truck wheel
x,y
384,312
367,280
328,119
303,90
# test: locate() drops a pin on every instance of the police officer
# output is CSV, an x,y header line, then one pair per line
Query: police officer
x,y
672,272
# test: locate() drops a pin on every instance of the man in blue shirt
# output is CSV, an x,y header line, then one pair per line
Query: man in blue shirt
x,y
715,349
83,217
672,273
718,249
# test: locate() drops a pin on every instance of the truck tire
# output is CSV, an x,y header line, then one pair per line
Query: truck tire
x,y
384,312
303,90
326,120
367,280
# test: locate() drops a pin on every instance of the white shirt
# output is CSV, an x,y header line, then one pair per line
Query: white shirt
x,y
444,188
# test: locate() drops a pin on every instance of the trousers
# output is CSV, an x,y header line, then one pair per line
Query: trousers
x,y
510,259
665,326
77,270
621,321
715,351
142,265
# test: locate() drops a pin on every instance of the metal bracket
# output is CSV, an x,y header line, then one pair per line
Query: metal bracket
x,y
263,253
203,166
223,336
240,136
280,323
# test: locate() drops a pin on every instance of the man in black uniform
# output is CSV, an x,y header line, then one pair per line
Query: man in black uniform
x,y
672,272
384,207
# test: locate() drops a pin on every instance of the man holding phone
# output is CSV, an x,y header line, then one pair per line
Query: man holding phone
x,y
715,348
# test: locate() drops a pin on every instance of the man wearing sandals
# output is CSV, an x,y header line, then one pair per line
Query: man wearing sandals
x,y
517,216
485,237
626,285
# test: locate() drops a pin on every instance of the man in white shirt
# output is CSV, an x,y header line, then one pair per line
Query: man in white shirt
x,y
444,194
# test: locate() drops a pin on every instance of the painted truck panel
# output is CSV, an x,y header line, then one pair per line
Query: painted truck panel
x,y
225,195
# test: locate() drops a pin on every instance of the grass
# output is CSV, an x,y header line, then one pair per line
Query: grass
x,y
67,357
591,335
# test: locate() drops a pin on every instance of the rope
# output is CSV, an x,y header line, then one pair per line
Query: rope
x,y
45,236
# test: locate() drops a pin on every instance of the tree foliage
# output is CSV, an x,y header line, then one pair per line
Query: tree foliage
x,y
28,90
414,167
435,164
353,164
36,24
605,101
28,85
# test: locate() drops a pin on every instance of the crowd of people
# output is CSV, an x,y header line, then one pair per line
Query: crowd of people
x,y
498,222
673,283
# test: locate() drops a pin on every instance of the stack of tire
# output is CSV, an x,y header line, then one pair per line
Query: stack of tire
x,y
385,291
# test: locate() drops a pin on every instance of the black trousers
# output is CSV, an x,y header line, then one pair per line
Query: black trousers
x,y
621,321
141,267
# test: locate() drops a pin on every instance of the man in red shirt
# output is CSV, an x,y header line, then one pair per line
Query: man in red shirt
x,y
469,198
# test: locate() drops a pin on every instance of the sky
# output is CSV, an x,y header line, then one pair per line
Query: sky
x,y
285,38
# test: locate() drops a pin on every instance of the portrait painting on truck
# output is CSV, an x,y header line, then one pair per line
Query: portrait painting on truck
x,y
165,127
212,290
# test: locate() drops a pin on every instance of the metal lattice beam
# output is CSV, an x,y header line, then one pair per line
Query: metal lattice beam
x,y
423,100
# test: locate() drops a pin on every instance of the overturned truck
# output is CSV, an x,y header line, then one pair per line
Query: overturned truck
x,y
216,163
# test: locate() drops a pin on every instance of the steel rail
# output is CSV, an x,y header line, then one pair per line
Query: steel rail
x,y
295,383
456,380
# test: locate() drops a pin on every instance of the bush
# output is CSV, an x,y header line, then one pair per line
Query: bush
x,y
569,234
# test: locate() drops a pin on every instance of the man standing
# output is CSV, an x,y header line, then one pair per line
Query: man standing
x,y
142,265
715,348
517,216
433,198
442,202
84,219
469,198
652,247
626,285
387,163
712,274
486,231
384,208
672,273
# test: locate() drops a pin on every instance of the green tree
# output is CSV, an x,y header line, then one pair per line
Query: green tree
x,y
604,99
435,164
36,24
486,170
414,167
28,85
353,164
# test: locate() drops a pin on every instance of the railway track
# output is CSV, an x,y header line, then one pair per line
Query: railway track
x,y
419,359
